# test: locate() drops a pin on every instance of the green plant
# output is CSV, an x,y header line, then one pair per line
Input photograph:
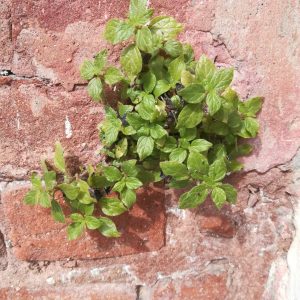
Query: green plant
x,y
179,122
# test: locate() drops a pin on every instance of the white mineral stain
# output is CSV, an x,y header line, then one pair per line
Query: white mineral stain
x,y
68,128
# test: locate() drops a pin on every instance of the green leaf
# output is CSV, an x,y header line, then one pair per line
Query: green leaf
x,y
92,222
146,108
190,116
187,78
131,60
124,109
173,48
175,69
250,128
194,197
87,70
217,170
119,186
161,87
112,173
44,199
138,12
75,230
121,148
129,167
213,101
170,144
112,206
100,61
145,145
111,128
218,197
197,162
77,218
222,79
117,31
70,190
178,155
135,120
231,193
166,27
149,81
95,89
98,182
205,70
133,183
32,197
59,160
112,75
194,93
250,107
175,169
57,212
108,228
128,197
144,40
178,184
50,180
157,131
200,145
188,133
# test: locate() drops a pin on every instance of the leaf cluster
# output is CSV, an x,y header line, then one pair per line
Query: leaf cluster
x,y
179,121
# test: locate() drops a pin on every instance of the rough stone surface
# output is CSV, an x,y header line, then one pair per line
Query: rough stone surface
x,y
246,251
35,236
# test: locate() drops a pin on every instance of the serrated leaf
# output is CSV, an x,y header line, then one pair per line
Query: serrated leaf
x,y
194,93
170,144
57,212
194,197
166,27
129,167
95,88
70,190
138,12
197,162
175,169
146,108
144,40
218,197
188,133
161,87
217,170
131,60
204,70
117,31
145,145
112,173
250,128
100,61
221,79
173,48
200,145
32,197
178,155
190,116
108,228
87,70
187,78
250,107
59,160
112,206
148,81
213,101
128,197
75,230
112,75
121,148
157,131
133,183
92,222
230,191
175,69
135,120
44,199
50,180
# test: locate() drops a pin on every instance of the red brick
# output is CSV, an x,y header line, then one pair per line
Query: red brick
x,y
86,292
35,236
208,287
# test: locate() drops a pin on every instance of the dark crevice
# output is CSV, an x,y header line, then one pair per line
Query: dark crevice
x,y
3,254
138,292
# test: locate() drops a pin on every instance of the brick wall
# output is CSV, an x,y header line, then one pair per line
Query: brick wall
x,y
247,251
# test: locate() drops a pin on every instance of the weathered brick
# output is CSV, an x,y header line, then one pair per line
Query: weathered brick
x,y
86,292
35,236
208,287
